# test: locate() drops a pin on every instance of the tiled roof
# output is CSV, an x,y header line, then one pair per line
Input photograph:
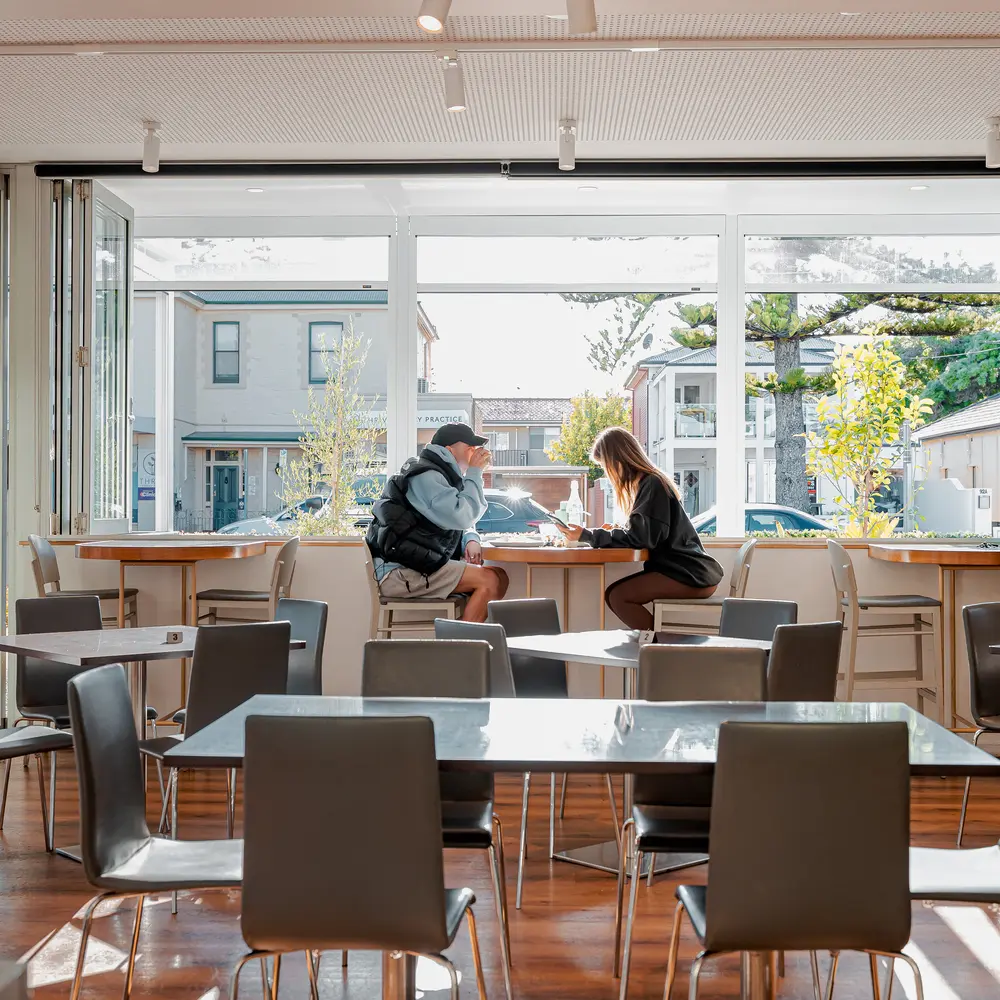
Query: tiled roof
x,y
979,416
818,351
523,411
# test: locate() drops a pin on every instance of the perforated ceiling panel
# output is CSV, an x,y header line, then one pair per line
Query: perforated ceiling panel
x,y
459,28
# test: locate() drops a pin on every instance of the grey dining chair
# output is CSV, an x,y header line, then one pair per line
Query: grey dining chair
x,y
743,618
536,677
33,741
501,671
804,662
793,804
448,668
982,630
329,897
40,689
120,857
45,567
308,621
220,603
671,812
230,664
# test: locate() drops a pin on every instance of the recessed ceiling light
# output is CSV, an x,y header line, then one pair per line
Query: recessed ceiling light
x,y
850,13
587,187
918,187
255,190
558,17
89,53
648,47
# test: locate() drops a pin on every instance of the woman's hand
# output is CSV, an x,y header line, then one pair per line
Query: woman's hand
x,y
571,532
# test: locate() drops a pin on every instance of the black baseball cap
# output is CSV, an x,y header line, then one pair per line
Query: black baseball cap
x,y
457,434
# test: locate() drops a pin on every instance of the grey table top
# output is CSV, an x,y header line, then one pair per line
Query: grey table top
x,y
590,736
94,648
611,647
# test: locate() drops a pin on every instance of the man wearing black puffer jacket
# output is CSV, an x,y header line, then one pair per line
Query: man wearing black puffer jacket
x,y
422,536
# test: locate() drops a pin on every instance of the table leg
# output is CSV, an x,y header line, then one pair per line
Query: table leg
x,y
527,579
566,625
602,578
121,595
184,621
946,594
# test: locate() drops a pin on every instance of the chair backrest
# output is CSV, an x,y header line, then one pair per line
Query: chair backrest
x,y
501,673
425,668
301,891
804,662
694,673
743,618
308,621
44,565
41,684
109,769
810,838
432,668
534,677
844,580
741,569
374,596
232,663
982,629
282,572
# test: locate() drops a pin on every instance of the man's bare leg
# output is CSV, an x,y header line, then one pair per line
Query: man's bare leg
x,y
483,584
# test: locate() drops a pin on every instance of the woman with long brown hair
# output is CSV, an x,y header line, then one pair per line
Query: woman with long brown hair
x,y
678,565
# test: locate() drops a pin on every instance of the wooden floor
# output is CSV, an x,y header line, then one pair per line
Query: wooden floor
x,y
561,938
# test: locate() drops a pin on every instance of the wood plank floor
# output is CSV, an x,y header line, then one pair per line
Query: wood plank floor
x,y
561,939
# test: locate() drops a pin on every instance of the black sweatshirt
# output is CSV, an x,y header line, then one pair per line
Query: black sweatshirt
x,y
660,524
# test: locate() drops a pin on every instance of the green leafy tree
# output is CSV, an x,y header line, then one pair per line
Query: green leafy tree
x,y
590,415
859,439
339,435
955,371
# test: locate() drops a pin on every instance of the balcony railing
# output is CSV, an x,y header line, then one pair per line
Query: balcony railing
x,y
694,420
508,457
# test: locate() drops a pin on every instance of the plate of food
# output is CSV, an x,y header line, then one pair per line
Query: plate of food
x,y
516,541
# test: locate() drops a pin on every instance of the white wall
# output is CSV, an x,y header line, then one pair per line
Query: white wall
x,y
979,451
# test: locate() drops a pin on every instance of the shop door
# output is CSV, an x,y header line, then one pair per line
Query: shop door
x,y
225,495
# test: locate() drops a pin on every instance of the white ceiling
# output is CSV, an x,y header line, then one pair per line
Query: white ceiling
x,y
366,85
155,198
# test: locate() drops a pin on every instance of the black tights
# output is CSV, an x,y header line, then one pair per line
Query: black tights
x,y
627,597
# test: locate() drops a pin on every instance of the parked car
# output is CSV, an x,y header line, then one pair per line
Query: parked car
x,y
764,517
276,525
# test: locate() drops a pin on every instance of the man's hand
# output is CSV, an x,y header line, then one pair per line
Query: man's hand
x,y
474,553
480,458
571,532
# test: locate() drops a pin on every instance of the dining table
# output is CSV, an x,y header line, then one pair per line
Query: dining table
x,y
592,736
620,648
950,560
183,553
565,558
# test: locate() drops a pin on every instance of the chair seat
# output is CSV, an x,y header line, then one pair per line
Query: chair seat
x,y
671,828
894,601
222,594
456,902
160,865
714,601
694,899
58,715
106,594
416,602
467,825
24,740
962,876
151,714
179,716
990,722
157,748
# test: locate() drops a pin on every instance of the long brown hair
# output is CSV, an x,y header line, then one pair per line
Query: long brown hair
x,y
621,456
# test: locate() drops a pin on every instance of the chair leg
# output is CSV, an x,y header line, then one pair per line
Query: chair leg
x,y
234,985
477,959
312,963
915,969
504,940
130,967
814,968
965,795
562,797
695,973
675,941
622,854
231,802
42,796
498,840
632,894
873,969
852,652
522,853
164,826
943,700
50,822
173,836
3,795
614,809
834,959
81,957
918,659
274,979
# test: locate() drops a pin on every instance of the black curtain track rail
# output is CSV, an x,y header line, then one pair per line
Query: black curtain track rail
x,y
541,169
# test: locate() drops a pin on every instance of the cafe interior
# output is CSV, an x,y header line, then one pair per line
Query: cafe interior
x,y
232,765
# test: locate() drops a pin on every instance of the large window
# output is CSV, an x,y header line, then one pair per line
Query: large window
x,y
324,344
225,353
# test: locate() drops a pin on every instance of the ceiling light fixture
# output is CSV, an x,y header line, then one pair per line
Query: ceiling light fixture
x,y
151,148
993,143
454,82
587,188
433,14
645,47
557,17
567,144
918,187
255,190
582,17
